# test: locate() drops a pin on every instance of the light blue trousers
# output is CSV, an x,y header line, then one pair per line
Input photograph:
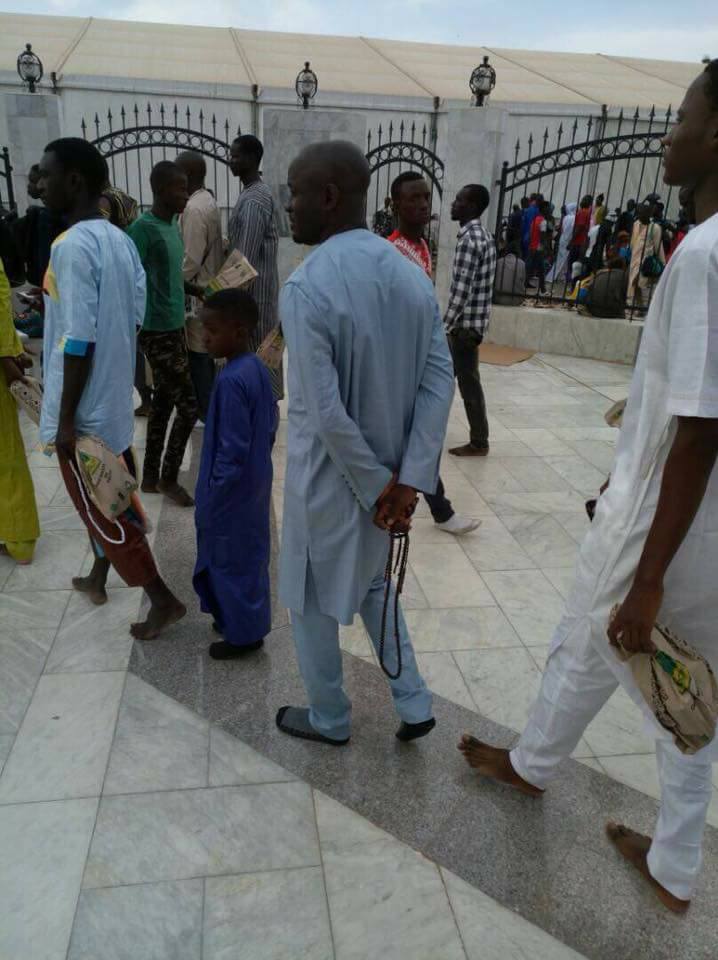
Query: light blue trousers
x,y
316,638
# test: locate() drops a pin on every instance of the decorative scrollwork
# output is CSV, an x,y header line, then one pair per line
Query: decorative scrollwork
x,y
626,147
138,138
414,154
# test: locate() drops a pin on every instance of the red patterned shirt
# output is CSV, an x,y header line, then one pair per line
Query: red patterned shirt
x,y
416,250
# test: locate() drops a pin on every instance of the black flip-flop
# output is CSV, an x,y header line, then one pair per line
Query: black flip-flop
x,y
305,734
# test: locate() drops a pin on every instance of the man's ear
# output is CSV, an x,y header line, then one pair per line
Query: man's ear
x,y
332,196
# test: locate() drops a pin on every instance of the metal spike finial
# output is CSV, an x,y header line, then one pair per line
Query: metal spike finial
x,y
109,115
122,112
83,127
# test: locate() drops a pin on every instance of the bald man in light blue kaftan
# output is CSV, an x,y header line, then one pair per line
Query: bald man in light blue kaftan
x,y
370,387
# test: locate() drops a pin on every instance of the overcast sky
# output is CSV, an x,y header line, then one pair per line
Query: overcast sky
x,y
665,29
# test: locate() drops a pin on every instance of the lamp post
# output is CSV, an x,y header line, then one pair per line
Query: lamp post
x,y
306,85
29,68
482,82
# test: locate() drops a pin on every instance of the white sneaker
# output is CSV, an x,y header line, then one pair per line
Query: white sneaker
x,y
459,525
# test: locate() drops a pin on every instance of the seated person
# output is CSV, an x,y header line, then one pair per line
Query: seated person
x,y
603,294
510,282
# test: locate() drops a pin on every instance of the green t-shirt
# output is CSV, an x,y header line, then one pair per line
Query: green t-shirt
x,y
161,251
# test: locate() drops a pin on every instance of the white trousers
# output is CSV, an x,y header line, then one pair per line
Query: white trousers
x,y
576,683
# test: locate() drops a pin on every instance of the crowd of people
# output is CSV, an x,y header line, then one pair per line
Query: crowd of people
x,y
371,369
604,264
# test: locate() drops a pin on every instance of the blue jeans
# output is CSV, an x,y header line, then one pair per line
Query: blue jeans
x,y
316,638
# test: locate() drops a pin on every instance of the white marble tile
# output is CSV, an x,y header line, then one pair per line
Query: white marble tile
x,y
599,453
509,448
591,762
59,556
529,601
190,833
447,577
412,597
159,744
619,729
47,483
570,501
6,742
33,610
561,577
460,628
385,899
502,683
582,476
543,539
492,547
233,762
268,916
60,518
574,523
22,656
152,920
444,678
614,391
488,476
44,846
7,565
543,443
535,475
91,638
62,746
491,932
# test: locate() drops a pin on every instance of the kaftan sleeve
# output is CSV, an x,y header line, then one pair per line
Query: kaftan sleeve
x,y
691,299
10,344
420,466
78,267
310,351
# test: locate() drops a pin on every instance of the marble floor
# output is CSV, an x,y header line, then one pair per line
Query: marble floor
x,y
146,811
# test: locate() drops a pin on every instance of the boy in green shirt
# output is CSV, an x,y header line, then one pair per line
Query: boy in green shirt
x,y
162,338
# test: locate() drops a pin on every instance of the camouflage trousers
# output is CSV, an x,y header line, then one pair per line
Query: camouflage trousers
x,y
166,354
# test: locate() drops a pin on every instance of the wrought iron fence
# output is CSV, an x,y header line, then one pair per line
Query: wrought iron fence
x,y
7,190
142,137
613,163
413,149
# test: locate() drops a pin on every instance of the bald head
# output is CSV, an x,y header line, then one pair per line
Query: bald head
x,y
328,183
193,165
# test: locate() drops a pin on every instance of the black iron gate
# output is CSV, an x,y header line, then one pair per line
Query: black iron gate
x,y
415,149
7,190
144,137
616,157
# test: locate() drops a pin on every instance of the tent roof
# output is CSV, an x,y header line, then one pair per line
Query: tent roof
x,y
346,65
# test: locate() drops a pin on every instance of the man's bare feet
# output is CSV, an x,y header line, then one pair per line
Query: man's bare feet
x,y
149,486
95,591
495,764
160,616
634,847
175,492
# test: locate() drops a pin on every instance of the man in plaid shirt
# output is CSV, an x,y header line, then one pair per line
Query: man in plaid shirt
x,y
467,316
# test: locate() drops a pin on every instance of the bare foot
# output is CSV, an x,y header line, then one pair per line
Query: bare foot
x,y
634,847
159,617
95,591
495,764
175,492
149,486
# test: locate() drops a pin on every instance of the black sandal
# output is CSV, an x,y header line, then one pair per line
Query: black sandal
x,y
305,734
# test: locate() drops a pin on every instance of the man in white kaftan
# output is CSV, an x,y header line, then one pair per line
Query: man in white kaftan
x,y
653,546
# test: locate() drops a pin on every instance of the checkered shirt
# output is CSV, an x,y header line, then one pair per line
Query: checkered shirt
x,y
472,282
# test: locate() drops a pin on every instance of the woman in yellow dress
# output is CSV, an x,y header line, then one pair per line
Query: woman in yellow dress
x,y
19,524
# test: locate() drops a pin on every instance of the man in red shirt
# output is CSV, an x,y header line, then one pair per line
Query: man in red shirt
x,y
411,196
581,226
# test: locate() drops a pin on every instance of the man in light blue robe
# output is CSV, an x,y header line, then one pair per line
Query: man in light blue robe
x,y
370,388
